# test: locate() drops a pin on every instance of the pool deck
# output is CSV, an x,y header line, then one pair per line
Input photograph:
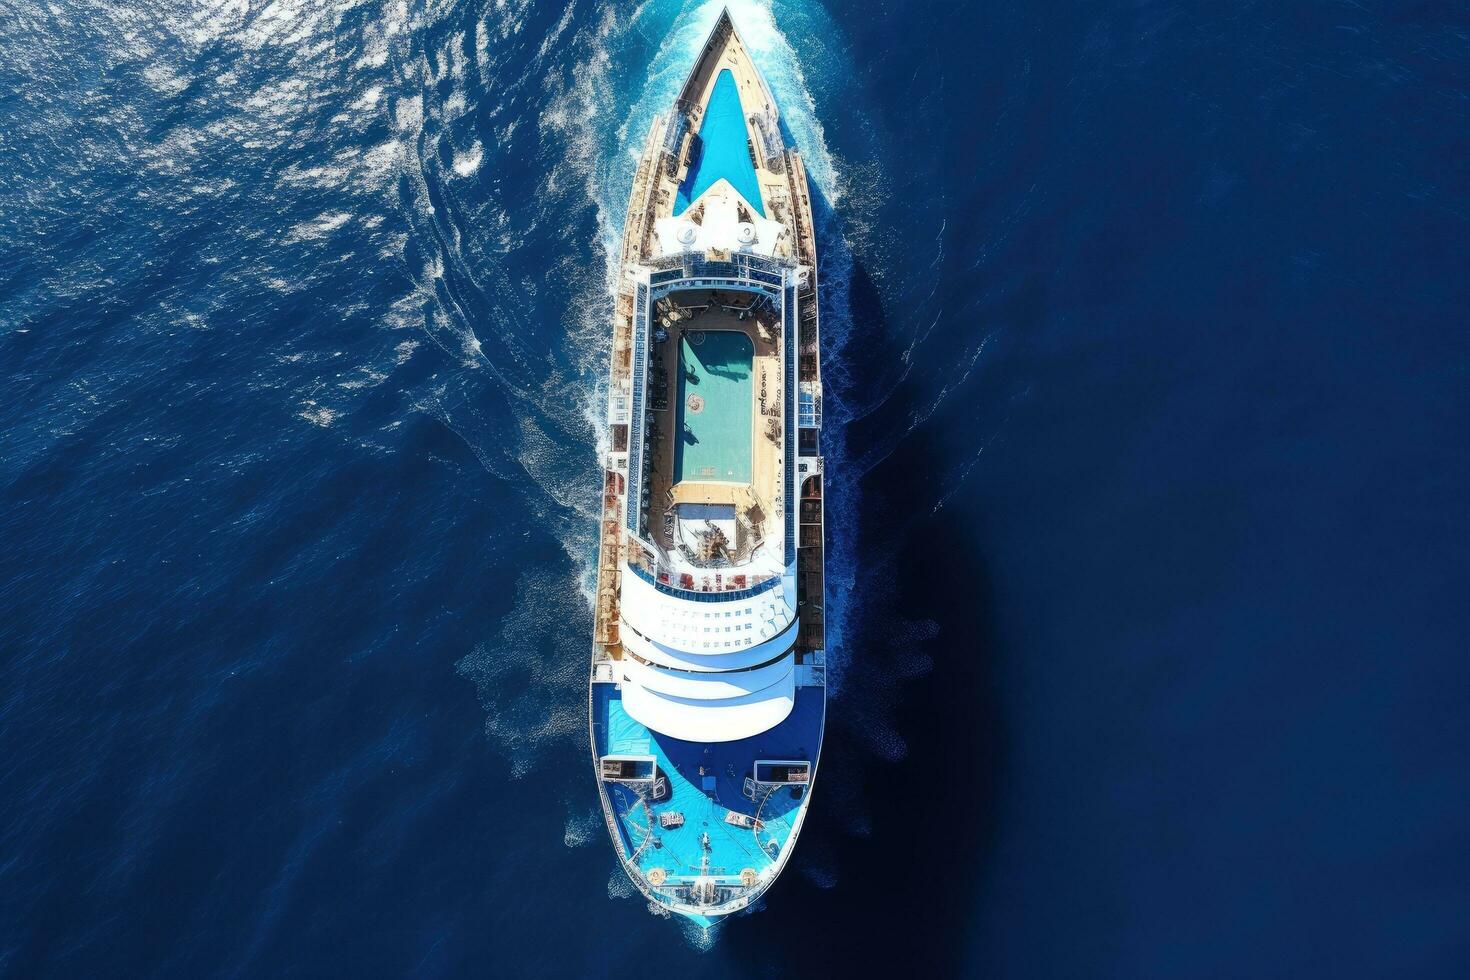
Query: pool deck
x,y
706,782
765,465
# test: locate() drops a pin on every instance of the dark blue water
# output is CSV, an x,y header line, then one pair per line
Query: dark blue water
x,y
1147,411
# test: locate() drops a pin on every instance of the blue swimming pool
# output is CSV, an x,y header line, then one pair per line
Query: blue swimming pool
x,y
714,407
726,151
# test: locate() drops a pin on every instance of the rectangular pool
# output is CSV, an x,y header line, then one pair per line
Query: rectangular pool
x,y
714,407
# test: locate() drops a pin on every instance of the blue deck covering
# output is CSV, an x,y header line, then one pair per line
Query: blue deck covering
x,y
705,783
725,152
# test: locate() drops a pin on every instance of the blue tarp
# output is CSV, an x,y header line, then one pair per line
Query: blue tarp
x,y
726,151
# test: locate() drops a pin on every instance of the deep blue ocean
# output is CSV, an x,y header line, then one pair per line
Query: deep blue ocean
x,y
1148,442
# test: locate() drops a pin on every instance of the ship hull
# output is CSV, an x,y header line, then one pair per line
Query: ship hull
x,y
707,700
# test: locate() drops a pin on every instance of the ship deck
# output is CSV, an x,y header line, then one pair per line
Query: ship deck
x,y
673,480
705,782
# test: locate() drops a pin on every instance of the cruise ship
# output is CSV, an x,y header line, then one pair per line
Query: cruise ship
x,y
708,684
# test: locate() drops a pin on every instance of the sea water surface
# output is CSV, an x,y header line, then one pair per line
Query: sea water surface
x,y
1145,339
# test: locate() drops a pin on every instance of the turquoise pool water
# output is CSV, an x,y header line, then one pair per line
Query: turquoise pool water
x,y
726,150
714,406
